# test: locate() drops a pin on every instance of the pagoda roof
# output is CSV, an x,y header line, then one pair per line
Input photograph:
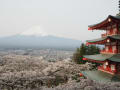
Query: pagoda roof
x,y
115,58
104,23
103,57
96,40
116,37
101,77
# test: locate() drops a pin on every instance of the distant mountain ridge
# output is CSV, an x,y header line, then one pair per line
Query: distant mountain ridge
x,y
49,41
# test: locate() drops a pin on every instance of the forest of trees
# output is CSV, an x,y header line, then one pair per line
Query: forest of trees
x,y
84,50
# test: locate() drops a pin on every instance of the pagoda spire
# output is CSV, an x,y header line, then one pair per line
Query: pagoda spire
x,y
119,6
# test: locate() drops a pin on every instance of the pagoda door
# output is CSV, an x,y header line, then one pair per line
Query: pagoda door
x,y
110,48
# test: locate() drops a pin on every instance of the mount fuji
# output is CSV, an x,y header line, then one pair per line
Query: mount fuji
x,y
31,41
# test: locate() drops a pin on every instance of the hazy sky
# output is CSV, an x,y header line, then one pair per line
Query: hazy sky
x,y
64,18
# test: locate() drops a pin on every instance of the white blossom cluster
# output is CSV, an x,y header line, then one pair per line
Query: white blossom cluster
x,y
25,72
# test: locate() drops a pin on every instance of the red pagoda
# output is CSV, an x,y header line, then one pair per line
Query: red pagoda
x,y
109,57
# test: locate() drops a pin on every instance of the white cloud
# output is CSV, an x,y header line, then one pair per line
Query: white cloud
x,y
35,31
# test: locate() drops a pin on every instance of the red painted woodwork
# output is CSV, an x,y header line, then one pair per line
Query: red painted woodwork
x,y
115,51
112,27
95,61
108,22
107,69
89,28
109,51
87,44
85,59
81,75
99,42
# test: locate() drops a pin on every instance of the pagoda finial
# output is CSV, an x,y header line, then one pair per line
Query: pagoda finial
x,y
119,9
119,6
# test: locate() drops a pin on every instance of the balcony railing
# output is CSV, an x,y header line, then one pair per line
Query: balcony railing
x,y
109,34
109,51
107,69
112,33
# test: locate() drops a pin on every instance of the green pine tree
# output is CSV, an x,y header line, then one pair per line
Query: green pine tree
x,y
84,50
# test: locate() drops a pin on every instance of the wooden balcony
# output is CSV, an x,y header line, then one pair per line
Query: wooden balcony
x,y
111,33
108,34
107,70
108,52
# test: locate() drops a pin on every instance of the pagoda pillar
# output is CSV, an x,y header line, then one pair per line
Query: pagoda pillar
x,y
117,28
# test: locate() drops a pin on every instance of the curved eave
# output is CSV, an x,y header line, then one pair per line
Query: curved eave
x,y
115,58
97,41
103,40
98,57
103,57
103,24
117,37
